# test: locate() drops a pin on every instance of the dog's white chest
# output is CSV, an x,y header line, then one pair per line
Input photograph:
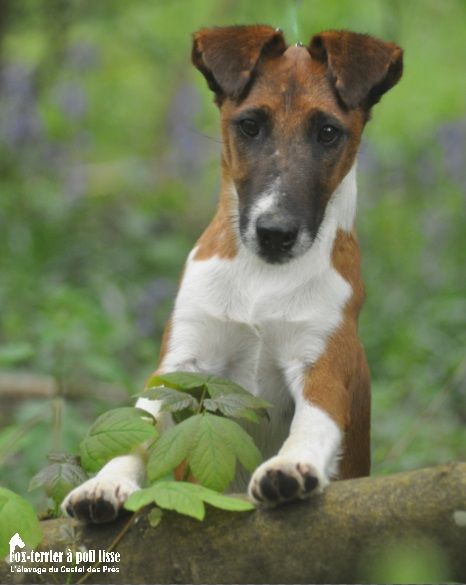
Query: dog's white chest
x,y
243,312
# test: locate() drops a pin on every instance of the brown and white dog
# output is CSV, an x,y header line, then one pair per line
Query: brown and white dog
x,y
271,292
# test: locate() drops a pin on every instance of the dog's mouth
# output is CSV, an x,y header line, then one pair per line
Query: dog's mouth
x,y
276,257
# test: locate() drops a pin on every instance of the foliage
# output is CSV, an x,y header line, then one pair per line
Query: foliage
x,y
185,498
59,477
210,445
115,432
17,515
109,148
207,444
225,396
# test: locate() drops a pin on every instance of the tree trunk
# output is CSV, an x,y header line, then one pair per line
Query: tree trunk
x,y
333,538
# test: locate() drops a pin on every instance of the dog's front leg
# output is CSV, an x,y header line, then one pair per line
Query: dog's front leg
x,y
309,456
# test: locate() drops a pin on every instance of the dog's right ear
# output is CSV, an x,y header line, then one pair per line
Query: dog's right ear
x,y
228,56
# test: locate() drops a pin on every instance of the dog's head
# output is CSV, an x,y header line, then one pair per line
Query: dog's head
x,y
292,119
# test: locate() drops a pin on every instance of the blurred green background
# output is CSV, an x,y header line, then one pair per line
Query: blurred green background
x,y
109,151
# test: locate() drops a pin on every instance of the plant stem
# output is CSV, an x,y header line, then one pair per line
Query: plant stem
x,y
201,400
114,543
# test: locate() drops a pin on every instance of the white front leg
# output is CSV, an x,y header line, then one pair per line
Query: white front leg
x,y
100,498
306,461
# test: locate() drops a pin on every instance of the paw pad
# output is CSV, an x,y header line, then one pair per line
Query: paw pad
x,y
279,480
98,500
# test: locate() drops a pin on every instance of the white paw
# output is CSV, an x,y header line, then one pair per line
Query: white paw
x,y
99,499
281,479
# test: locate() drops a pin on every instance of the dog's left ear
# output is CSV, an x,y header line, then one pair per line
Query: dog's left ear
x,y
362,67
228,56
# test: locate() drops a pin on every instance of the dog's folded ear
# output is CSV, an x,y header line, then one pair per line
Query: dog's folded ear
x,y
228,56
361,67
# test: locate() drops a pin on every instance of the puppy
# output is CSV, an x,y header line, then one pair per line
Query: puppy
x,y
271,292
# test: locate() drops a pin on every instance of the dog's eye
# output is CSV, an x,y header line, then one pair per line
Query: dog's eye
x,y
249,127
328,134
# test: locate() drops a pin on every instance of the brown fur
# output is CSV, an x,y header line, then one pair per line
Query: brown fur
x,y
219,238
231,77
362,67
339,381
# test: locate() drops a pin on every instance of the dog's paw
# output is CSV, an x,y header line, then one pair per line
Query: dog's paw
x,y
281,479
99,499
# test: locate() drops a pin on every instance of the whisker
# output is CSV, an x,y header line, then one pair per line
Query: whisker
x,y
195,131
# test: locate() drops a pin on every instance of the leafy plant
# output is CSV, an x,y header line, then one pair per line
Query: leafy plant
x,y
58,478
205,441
185,498
209,444
17,515
115,432
225,396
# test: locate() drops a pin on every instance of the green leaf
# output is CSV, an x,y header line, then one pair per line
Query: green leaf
x,y
173,400
185,498
234,401
183,381
219,387
211,460
58,479
179,496
240,443
171,495
173,447
17,515
210,445
232,406
114,433
139,499
225,396
230,503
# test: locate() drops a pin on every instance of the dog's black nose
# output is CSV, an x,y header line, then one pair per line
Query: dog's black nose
x,y
275,235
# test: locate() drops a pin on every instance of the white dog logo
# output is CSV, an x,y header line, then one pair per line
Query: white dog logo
x,y
15,541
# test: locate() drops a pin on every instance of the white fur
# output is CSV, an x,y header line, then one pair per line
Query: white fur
x,y
312,448
267,202
344,201
115,482
261,326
